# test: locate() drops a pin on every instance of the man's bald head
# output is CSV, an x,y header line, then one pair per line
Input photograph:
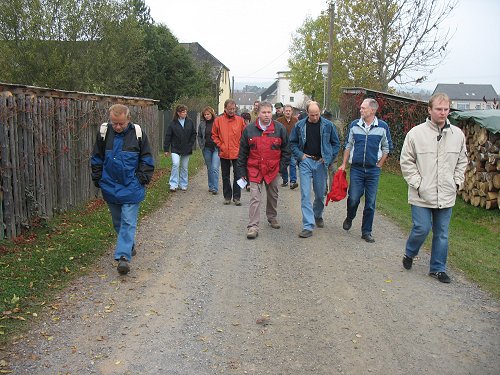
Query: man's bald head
x,y
313,112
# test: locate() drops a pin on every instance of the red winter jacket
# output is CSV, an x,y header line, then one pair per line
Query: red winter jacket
x,y
339,187
263,153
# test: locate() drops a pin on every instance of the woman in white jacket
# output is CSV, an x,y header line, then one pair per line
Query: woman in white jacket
x,y
433,161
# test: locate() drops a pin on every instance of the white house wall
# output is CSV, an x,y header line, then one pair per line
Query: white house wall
x,y
286,96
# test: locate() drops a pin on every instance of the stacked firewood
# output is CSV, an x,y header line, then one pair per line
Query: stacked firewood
x,y
482,176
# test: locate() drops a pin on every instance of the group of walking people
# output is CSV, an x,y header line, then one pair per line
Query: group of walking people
x,y
262,148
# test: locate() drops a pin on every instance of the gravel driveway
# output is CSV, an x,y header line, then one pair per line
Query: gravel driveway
x,y
202,299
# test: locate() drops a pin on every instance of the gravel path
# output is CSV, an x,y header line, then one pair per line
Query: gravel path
x,y
202,299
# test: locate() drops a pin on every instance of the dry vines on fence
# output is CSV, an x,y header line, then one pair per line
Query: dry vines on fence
x,y
46,138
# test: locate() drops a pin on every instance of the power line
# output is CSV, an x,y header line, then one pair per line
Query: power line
x,y
269,63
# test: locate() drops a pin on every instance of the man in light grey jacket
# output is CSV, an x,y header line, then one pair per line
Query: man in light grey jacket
x,y
433,161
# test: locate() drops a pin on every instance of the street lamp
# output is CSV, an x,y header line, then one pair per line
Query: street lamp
x,y
324,71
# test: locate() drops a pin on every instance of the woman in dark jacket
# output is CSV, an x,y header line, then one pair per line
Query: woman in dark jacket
x,y
179,140
210,152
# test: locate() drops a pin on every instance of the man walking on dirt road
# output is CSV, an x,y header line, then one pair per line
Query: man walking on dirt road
x,y
289,121
263,153
122,164
226,133
367,148
315,144
433,161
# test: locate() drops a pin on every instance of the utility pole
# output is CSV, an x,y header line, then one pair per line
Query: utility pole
x,y
331,11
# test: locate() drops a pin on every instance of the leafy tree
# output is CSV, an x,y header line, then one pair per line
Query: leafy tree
x,y
376,43
108,46
170,72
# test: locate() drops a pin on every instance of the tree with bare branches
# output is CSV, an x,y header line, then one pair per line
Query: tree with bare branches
x,y
376,43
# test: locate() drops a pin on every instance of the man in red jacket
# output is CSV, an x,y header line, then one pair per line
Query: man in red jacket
x,y
264,151
226,133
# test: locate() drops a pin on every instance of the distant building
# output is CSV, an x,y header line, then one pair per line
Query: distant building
x,y
280,91
244,100
222,82
468,96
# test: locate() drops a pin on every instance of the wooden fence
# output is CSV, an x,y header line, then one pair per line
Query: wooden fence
x,y
46,139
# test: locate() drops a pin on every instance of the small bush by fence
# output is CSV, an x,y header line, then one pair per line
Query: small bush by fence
x,y
46,139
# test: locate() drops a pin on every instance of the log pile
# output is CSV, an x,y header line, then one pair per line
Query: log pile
x,y
482,176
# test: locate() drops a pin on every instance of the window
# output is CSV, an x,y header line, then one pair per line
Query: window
x,y
463,106
291,99
478,106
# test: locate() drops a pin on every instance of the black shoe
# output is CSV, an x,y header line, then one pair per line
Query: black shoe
x,y
134,253
347,224
319,222
441,276
368,238
407,262
284,184
123,267
293,185
305,233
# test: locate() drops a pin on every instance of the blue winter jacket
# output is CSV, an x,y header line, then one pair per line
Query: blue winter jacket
x,y
121,165
366,148
330,143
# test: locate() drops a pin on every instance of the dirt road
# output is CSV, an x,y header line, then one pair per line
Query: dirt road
x,y
202,299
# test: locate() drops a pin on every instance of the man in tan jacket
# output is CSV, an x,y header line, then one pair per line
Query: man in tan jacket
x,y
433,161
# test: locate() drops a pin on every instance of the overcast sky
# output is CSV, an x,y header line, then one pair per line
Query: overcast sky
x,y
252,37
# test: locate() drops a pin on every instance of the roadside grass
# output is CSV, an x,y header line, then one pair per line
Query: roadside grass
x,y
41,262
474,246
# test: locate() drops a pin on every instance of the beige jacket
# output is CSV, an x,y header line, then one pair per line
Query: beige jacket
x,y
433,165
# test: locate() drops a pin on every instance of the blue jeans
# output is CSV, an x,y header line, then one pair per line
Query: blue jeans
x,y
363,181
181,161
423,219
293,171
315,172
124,217
212,161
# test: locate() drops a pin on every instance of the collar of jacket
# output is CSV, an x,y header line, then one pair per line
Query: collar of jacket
x,y
374,123
269,130
433,126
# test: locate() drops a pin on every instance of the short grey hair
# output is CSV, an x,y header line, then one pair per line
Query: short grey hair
x,y
372,103
265,104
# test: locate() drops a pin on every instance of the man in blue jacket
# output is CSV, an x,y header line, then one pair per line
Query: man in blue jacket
x,y
121,165
315,144
367,147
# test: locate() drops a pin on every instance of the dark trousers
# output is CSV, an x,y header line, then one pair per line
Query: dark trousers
x,y
229,192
